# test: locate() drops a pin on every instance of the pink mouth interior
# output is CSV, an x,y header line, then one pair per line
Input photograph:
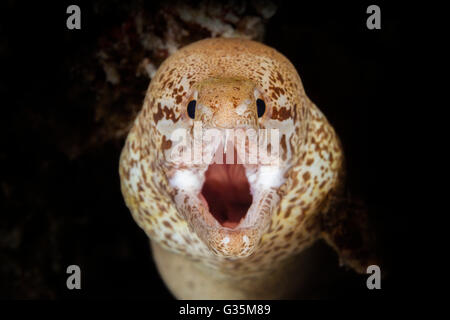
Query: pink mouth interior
x,y
227,192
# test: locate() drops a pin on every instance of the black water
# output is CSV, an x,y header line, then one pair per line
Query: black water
x,y
57,210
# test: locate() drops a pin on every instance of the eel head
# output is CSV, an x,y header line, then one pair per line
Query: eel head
x,y
226,169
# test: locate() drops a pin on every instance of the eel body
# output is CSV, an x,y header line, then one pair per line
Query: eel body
x,y
231,229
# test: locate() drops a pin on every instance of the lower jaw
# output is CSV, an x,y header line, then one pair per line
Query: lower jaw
x,y
237,237
234,240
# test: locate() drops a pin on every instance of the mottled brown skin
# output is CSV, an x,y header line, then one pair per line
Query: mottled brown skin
x,y
188,244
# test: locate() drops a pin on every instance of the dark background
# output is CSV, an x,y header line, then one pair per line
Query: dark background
x,y
60,207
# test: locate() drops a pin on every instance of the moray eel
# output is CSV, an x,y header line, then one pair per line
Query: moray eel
x,y
231,230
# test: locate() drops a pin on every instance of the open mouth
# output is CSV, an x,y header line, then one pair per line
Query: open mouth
x,y
228,205
226,191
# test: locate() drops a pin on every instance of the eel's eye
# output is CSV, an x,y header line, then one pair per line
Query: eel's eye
x,y
191,109
261,107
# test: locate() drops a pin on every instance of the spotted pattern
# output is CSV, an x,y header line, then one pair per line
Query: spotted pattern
x,y
310,151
